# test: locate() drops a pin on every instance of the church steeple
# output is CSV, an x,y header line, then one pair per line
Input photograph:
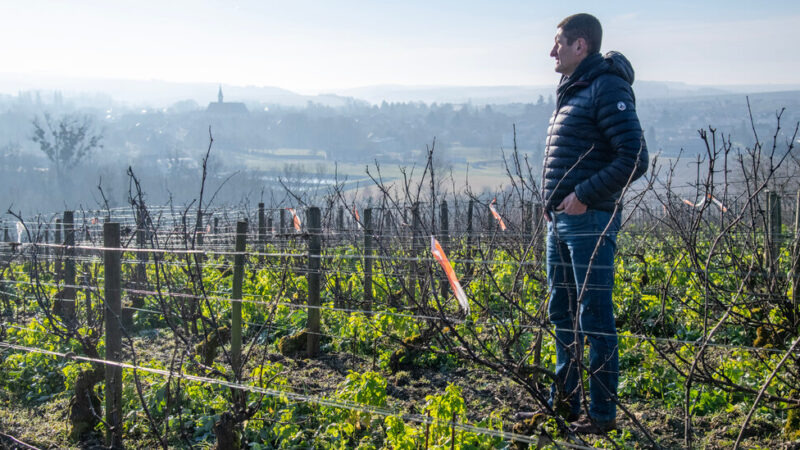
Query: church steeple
x,y
221,107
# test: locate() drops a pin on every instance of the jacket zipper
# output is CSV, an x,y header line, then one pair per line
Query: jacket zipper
x,y
559,104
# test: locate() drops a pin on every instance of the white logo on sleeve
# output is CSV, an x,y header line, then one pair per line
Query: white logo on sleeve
x,y
621,106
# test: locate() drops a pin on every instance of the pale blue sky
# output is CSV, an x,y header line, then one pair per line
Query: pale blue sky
x,y
317,46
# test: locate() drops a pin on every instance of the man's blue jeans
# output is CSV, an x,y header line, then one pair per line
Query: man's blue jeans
x,y
575,260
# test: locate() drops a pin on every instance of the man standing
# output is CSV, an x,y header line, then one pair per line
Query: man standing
x,y
594,149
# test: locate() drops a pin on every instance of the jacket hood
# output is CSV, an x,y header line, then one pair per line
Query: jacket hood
x,y
619,65
593,66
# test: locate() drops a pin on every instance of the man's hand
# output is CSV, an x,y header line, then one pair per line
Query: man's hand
x,y
571,205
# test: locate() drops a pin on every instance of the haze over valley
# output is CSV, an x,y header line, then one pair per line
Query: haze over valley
x,y
264,135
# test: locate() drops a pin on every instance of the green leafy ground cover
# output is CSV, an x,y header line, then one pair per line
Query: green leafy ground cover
x,y
365,364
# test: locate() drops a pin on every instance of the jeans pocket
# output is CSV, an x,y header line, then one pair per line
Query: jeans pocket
x,y
583,214
578,222
574,218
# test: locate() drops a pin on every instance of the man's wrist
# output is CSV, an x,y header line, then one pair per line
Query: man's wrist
x,y
580,199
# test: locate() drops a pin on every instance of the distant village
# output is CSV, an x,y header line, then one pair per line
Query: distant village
x,y
267,141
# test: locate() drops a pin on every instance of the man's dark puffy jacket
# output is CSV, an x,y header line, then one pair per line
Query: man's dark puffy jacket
x,y
594,143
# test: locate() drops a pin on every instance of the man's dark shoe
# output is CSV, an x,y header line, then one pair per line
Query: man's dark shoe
x,y
587,425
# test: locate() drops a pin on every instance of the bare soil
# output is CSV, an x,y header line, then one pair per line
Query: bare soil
x,y
45,425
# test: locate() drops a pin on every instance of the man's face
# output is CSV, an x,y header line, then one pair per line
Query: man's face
x,y
568,56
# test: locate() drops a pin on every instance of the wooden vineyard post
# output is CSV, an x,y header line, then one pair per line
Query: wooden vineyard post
x,y
386,222
470,209
59,252
236,298
113,308
444,241
68,292
527,235
194,311
262,224
453,432
87,297
282,232
795,275
139,275
416,228
527,221
262,231
198,230
137,300
416,245
314,249
773,229
368,258
427,429
340,219
539,229
46,240
797,214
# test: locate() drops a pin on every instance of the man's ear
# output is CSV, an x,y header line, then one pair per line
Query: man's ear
x,y
580,46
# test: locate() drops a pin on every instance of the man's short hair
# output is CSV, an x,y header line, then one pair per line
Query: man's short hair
x,y
584,26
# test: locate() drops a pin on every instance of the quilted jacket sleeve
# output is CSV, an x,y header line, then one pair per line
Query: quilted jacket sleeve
x,y
616,117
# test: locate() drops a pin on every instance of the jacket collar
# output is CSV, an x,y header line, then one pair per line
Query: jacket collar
x,y
582,75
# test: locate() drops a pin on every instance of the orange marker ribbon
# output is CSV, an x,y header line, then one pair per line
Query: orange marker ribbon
x,y
438,253
703,202
497,215
718,203
358,218
295,219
